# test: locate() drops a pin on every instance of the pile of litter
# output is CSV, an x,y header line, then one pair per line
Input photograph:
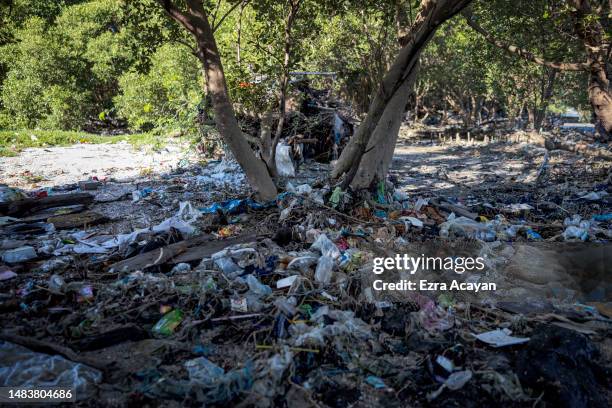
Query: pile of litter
x,y
185,288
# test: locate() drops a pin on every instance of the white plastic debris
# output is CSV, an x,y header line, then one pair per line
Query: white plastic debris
x,y
302,263
594,195
21,254
257,287
181,268
286,282
284,165
415,222
501,338
324,270
421,202
326,247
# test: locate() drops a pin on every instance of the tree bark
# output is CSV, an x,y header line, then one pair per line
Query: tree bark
x,y
195,20
379,153
547,93
398,78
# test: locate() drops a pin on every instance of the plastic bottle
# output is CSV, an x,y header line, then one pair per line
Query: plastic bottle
x,y
257,287
167,324
21,254
323,273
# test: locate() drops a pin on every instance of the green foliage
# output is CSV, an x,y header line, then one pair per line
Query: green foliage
x,y
12,142
64,61
165,97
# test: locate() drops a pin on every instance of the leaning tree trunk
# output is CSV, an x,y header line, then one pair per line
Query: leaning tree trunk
x,y
195,20
379,153
398,79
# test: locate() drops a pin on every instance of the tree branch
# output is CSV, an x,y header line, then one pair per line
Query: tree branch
x,y
176,14
525,54
217,25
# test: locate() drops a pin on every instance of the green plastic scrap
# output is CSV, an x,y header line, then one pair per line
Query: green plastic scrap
x,y
334,200
167,324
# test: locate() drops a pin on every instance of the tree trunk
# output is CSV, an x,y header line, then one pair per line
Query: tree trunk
x,y
379,154
399,78
547,94
195,21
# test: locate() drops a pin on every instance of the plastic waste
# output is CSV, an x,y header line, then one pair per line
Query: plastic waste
x,y
56,284
532,235
284,165
213,385
400,196
465,227
168,323
412,221
454,382
421,202
227,265
594,195
326,247
7,275
21,254
21,367
8,194
181,268
302,263
138,195
573,232
286,282
376,382
324,270
518,207
501,338
85,294
336,196
602,217
287,306
239,305
445,363
257,287
457,380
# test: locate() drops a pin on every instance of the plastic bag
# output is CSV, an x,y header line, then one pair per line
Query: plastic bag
x,y
8,194
211,384
284,165
323,273
464,227
302,263
257,287
326,247
21,367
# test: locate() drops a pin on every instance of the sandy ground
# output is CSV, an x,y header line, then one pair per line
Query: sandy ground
x,y
46,167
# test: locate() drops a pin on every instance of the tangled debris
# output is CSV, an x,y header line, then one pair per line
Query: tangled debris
x,y
185,289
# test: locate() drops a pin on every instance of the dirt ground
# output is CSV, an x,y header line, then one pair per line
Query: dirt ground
x,y
54,166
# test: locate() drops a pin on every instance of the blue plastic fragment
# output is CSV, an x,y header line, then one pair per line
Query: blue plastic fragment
x,y
376,382
532,235
603,217
380,214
